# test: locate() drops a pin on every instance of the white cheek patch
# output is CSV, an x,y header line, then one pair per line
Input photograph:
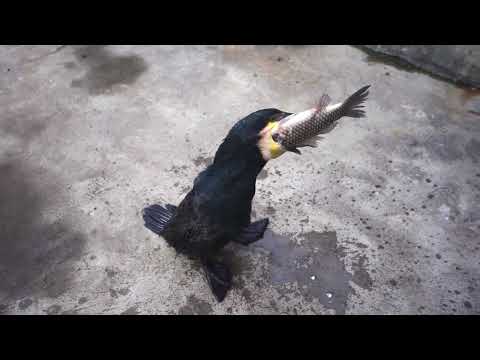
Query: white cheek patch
x,y
263,145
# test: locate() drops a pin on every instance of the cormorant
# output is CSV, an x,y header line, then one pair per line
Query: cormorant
x,y
217,209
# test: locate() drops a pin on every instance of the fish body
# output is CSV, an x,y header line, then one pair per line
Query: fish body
x,y
302,129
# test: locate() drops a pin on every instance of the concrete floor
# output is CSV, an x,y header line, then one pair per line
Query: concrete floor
x,y
382,218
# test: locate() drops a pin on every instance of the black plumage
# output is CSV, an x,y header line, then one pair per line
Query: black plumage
x,y
217,209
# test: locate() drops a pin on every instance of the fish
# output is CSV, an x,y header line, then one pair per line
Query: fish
x,y
303,128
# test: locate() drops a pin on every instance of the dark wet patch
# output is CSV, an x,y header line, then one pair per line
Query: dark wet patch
x,y
70,65
24,127
374,58
70,312
247,295
270,210
133,310
316,266
185,310
53,310
361,277
473,149
22,305
31,249
124,291
113,293
412,65
105,69
3,308
195,306
110,272
262,175
467,304
393,282
445,147
202,161
82,300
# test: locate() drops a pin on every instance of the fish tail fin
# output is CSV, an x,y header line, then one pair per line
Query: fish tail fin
x,y
157,217
352,107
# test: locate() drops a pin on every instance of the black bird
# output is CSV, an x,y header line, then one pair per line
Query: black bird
x,y
217,209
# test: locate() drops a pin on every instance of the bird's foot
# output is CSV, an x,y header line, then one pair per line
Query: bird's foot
x,y
219,278
253,232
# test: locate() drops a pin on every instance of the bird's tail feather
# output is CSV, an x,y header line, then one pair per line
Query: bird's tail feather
x,y
157,217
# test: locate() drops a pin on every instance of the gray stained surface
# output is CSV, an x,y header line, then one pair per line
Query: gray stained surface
x,y
382,218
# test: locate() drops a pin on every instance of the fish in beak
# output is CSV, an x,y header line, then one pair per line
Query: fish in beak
x,y
303,128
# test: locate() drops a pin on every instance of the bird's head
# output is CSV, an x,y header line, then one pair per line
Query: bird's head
x,y
268,146
254,132
250,140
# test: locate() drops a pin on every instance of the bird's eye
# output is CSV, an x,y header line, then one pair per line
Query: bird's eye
x,y
275,137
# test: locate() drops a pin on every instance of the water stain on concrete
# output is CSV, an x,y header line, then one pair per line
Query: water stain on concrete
x,y
23,127
316,265
110,272
472,148
70,65
195,306
105,70
361,277
445,147
22,305
374,58
133,310
124,291
37,256
53,309
270,210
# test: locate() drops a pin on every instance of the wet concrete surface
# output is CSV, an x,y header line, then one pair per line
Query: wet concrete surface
x,y
459,64
381,218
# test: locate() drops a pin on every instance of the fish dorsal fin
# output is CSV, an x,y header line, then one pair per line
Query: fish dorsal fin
x,y
323,102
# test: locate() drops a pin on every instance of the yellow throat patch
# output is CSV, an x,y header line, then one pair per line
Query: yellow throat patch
x,y
274,148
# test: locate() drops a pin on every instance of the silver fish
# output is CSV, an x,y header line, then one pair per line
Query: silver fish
x,y
302,129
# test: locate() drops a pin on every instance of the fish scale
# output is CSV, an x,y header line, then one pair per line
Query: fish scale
x,y
300,132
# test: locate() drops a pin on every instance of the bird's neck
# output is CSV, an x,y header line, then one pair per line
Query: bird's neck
x,y
239,160
240,167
